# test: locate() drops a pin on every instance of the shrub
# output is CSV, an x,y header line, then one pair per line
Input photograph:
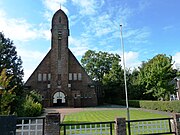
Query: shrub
x,y
30,108
36,96
169,106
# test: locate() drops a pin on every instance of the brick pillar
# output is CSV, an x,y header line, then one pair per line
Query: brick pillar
x,y
120,126
177,123
52,124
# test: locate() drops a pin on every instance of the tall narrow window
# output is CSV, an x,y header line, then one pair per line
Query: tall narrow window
x,y
60,19
49,86
39,77
79,76
44,77
59,80
49,77
59,34
59,49
75,76
70,76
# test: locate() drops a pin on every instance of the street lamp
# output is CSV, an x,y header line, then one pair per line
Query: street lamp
x,y
122,44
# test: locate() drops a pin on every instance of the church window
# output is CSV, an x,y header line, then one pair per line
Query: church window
x,y
75,76
59,34
60,19
70,76
49,77
59,77
79,76
49,86
44,77
39,77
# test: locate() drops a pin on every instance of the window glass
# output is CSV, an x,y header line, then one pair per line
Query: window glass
x,y
39,77
70,76
49,85
79,76
44,77
75,76
49,77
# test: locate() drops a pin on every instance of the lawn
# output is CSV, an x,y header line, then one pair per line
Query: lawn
x,y
109,115
104,116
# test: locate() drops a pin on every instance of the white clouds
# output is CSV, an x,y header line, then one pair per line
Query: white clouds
x,y
22,32
17,29
176,58
131,59
31,60
52,6
78,46
137,36
88,7
100,25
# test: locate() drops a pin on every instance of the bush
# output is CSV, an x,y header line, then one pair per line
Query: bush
x,y
169,106
30,108
36,96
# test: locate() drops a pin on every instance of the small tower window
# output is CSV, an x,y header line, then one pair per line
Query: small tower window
x,y
59,34
60,19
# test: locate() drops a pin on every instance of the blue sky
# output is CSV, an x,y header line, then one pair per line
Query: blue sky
x,y
150,27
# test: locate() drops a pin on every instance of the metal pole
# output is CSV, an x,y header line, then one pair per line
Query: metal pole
x,y
127,106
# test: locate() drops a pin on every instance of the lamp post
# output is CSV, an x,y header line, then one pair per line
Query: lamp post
x,y
125,83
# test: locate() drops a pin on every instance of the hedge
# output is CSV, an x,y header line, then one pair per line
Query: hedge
x,y
168,106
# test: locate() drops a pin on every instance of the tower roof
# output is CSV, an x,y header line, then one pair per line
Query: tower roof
x,y
59,17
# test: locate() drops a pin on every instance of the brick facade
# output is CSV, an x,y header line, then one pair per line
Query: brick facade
x,y
60,78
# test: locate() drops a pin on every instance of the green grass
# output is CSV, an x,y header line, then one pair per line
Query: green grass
x,y
109,115
104,116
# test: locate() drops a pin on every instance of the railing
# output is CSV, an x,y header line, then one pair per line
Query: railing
x,y
30,126
93,128
150,126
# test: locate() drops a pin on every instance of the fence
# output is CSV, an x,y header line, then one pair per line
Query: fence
x,y
51,125
30,126
95,128
150,126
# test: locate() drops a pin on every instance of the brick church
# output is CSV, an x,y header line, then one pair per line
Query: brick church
x,y
59,77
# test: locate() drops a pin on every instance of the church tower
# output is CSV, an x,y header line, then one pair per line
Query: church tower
x,y
59,53
59,77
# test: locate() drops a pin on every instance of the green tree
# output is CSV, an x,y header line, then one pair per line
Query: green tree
x,y
113,83
13,65
6,95
155,77
97,64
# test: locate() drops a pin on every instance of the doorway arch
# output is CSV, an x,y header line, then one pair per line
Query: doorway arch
x,y
59,99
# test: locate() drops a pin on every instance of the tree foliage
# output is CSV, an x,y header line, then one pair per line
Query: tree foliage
x,y
105,68
13,65
97,64
6,95
155,77
113,82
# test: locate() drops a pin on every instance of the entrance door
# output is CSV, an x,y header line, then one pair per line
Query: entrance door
x,y
59,99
